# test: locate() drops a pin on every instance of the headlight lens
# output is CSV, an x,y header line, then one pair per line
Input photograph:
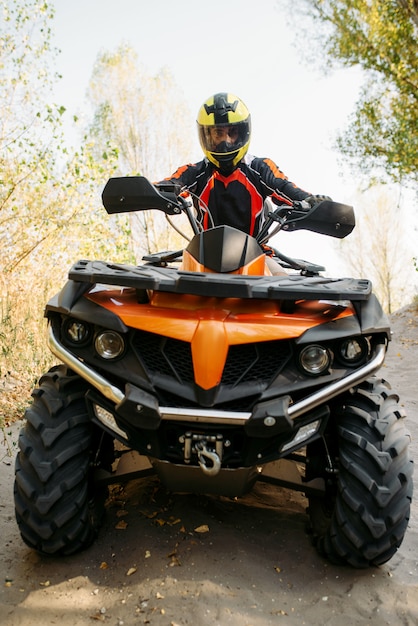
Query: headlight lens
x,y
109,345
315,359
354,350
76,332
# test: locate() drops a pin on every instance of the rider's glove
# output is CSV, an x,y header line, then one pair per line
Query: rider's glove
x,y
312,200
169,185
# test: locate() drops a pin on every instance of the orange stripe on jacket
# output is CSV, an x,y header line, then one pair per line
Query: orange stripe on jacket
x,y
277,173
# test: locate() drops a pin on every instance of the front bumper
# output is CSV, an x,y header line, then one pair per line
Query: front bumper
x,y
285,412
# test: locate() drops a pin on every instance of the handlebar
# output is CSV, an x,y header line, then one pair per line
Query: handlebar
x,y
136,193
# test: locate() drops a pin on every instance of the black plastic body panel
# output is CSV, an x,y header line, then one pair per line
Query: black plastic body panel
x,y
69,301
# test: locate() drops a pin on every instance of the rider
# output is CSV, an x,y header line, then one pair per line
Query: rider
x,y
230,186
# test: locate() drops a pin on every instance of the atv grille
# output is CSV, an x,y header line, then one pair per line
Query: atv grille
x,y
245,363
163,355
254,362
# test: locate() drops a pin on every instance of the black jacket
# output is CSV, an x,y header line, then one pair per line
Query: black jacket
x,y
238,198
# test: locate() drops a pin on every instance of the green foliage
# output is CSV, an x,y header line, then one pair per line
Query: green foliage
x,y
50,200
380,36
50,208
28,122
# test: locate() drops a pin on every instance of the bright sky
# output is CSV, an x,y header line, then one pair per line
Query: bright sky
x,y
245,47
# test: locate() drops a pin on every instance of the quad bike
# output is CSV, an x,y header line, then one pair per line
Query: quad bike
x,y
202,367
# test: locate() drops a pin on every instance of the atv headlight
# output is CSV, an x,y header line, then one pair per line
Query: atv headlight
x,y
353,351
109,345
76,332
314,359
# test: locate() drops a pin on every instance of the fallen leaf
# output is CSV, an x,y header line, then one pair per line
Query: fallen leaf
x,y
121,513
204,528
121,525
173,552
149,515
280,612
103,565
131,571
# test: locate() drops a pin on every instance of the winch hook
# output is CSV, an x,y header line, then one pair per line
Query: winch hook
x,y
204,456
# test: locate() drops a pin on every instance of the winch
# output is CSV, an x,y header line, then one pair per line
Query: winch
x,y
207,448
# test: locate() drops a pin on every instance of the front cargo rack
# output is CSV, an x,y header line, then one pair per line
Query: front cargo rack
x,y
171,280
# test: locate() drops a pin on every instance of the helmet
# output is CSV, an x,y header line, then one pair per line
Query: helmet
x,y
224,126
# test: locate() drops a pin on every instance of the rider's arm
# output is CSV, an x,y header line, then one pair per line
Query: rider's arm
x,y
276,183
185,177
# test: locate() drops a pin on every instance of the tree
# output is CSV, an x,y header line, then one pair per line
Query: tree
x,y
30,139
47,196
146,120
27,122
143,116
380,36
378,249
50,210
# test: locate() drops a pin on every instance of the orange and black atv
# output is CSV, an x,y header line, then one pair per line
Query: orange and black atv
x,y
214,374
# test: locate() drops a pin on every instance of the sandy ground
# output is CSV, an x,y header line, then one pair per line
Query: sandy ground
x,y
173,560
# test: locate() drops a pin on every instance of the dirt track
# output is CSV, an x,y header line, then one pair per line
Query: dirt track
x,y
174,560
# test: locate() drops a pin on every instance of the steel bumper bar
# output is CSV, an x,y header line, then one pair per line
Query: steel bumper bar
x,y
211,415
